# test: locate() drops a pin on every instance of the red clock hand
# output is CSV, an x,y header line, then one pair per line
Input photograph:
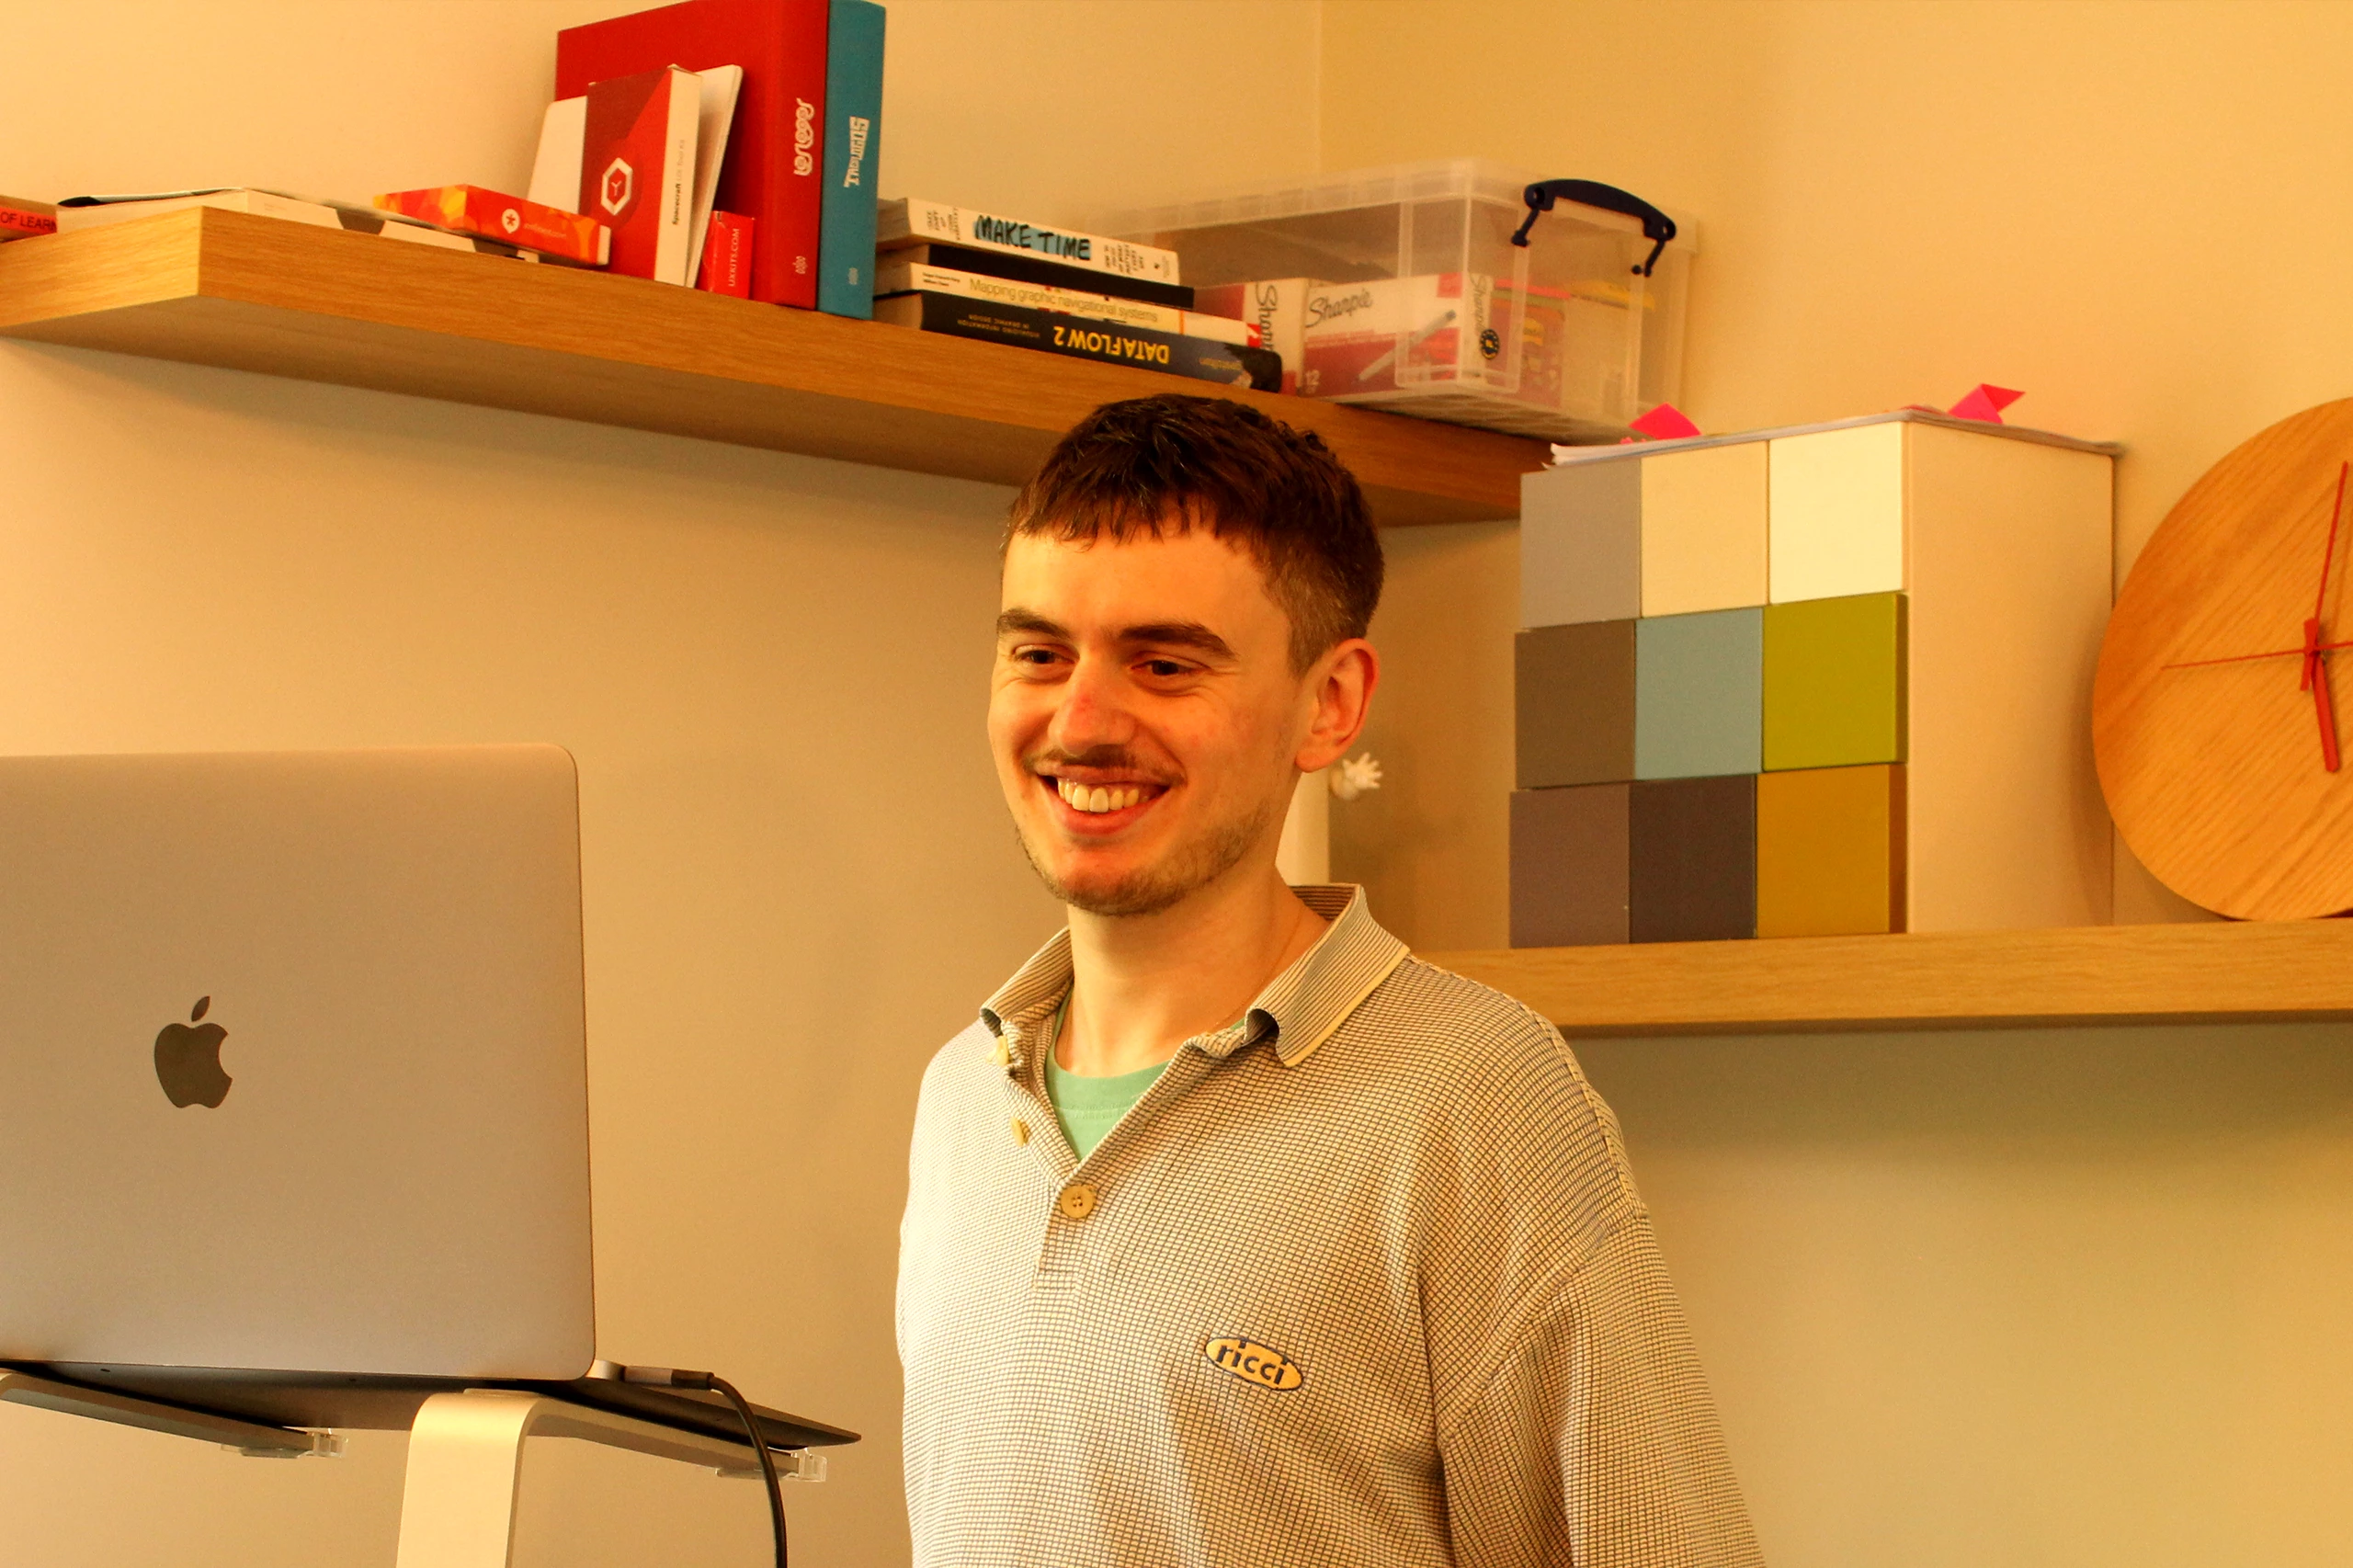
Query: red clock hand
x,y
2297,652
2314,675
2327,556
2316,667
2317,677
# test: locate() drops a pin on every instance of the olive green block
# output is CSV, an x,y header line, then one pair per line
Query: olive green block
x,y
1835,681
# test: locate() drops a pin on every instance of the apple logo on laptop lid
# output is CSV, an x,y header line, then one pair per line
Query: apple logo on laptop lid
x,y
188,1059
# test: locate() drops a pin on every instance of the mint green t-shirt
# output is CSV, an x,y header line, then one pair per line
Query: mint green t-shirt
x,y
1090,1107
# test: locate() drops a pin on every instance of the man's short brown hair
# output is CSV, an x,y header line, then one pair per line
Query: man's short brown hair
x,y
1152,466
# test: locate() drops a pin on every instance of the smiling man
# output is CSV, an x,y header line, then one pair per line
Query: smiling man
x,y
1235,1236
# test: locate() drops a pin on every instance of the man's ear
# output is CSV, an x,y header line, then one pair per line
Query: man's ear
x,y
1340,686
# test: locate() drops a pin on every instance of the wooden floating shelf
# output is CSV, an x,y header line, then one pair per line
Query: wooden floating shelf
x,y
2256,971
229,289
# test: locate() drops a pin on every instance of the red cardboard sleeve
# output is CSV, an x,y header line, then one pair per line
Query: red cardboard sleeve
x,y
727,257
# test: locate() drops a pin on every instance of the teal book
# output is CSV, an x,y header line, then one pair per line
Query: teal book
x,y
853,153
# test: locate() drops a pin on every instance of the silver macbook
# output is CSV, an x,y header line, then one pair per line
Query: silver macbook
x,y
293,1069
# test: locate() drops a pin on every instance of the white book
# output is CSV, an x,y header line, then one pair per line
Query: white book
x,y
97,211
721,84
555,173
92,211
907,277
905,221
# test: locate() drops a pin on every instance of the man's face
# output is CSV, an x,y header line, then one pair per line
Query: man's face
x,y
1144,715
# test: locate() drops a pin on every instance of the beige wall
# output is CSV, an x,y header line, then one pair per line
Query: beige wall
x,y
2052,1298
799,879
2035,1297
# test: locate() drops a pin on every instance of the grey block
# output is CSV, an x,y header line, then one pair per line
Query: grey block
x,y
1700,694
1573,703
1569,865
1581,543
1693,848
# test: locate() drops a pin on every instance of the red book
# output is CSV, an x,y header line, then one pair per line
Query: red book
x,y
20,218
774,169
470,209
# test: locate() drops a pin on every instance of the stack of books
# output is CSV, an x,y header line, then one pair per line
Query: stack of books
x,y
974,274
728,144
734,144
483,222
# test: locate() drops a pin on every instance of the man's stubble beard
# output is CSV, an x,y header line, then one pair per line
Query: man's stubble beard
x,y
1152,889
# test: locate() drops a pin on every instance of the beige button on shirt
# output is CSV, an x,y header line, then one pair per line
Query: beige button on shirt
x,y
1362,1279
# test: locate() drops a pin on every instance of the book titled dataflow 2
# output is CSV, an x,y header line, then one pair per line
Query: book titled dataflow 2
x,y
1202,359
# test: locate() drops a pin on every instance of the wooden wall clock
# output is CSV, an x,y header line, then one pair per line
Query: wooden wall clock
x,y
2217,719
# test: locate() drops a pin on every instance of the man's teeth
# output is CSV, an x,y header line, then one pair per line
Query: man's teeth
x,y
1098,797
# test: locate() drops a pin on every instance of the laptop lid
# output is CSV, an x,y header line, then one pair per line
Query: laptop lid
x,y
293,1069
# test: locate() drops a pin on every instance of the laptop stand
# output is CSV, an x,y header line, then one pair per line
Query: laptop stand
x,y
249,1438
465,1453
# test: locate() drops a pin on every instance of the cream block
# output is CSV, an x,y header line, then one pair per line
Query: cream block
x,y
1703,530
1837,514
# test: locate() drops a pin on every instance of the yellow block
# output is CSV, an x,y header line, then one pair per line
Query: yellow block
x,y
1830,857
1703,530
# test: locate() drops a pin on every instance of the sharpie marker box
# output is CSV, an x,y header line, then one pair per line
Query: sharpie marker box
x,y
1276,306
1361,339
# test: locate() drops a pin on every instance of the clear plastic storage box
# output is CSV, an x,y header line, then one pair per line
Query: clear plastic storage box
x,y
1402,288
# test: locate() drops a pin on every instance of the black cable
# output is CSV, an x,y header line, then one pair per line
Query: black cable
x,y
768,1463
679,1378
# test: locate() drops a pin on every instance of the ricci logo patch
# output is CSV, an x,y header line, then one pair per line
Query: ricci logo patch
x,y
1253,1363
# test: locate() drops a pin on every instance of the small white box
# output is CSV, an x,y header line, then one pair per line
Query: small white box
x,y
1276,306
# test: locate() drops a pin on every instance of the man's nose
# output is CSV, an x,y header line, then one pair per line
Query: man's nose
x,y
1094,708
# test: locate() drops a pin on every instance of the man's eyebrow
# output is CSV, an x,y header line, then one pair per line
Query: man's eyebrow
x,y
1179,634
1156,633
1029,620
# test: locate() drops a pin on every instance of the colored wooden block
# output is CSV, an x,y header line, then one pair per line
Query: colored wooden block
x,y
1574,704
1835,681
1580,544
1569,857
2000,540
1838,522
1691,862
1703,528
1830,851
1698,694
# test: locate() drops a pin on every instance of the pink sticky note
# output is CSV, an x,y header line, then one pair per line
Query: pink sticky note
x,y
1666,423
1986,403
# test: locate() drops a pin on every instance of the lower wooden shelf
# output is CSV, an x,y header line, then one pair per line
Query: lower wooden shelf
x,y
2254,971
251,293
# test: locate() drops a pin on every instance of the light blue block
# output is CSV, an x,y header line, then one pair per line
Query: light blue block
x,y
1581,543
1700,694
